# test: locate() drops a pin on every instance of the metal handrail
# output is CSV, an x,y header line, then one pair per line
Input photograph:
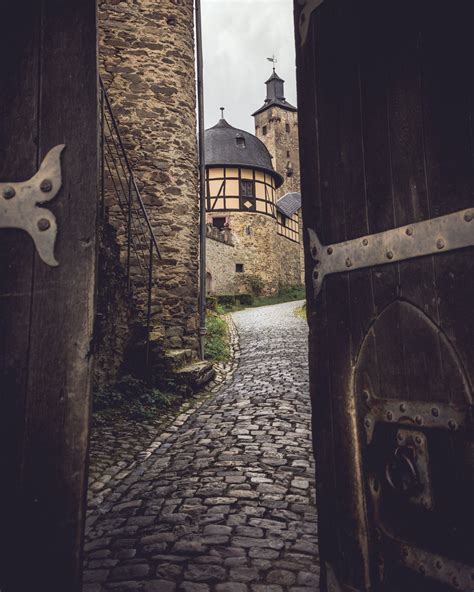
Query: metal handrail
x,y
135,219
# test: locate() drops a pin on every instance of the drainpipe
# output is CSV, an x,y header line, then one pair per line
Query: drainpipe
x,y
202,184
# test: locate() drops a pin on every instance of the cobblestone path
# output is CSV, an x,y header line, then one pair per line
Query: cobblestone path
x,y
226,502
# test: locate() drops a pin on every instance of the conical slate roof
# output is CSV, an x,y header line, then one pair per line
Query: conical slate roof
x,y
225,145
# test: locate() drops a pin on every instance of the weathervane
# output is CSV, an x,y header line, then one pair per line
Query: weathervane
x,y
274,60
222,112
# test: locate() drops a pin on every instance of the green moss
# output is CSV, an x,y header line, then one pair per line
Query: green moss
x,y
217,346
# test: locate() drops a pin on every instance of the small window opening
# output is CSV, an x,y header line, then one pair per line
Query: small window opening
x,y
247,188
239,267
240,141
288,154
248,230
218,222
287,127
264,130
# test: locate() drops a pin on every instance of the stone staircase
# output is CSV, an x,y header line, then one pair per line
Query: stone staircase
x,y
181,370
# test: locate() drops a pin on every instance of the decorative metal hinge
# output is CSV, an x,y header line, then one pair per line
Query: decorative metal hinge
x,y
437,235
309,6
19,205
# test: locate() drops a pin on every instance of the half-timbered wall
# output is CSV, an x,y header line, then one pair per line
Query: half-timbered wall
x,y
289,227
240,189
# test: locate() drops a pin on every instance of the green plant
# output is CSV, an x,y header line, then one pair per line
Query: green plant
x,y
245,299
226,299
217,342
255,284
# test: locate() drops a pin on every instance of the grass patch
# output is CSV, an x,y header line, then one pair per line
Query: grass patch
x,y
286,294
132,398
217,346
301,311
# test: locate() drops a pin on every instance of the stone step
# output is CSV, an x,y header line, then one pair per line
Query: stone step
x,y
195,375
173,359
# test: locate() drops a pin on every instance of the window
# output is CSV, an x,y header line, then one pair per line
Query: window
x,y
218,222
264,130
240,141
287,154
247,195
287,127
239,268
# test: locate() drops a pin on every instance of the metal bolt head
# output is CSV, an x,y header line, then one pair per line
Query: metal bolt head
x,y
389,415
330,250
348,263
403,407
8,192
400,437
365,242
389,255
438,564
409,231
365,395
468,217
452,425
43,224
46,186
315,274
435,412
367,423
418,440
440,244
418,420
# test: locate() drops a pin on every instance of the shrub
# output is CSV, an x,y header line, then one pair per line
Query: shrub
x,y
226,300
217,342
245,299
255,284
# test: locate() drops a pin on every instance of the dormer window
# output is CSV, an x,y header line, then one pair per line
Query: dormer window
x,y
240,140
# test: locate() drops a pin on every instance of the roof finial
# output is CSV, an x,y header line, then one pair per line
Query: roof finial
x,y
274,60
222,112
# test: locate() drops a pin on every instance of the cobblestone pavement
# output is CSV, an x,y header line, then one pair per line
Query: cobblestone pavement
x,y
224,503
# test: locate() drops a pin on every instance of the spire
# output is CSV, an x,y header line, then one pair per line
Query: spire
x,y
275,93
222,112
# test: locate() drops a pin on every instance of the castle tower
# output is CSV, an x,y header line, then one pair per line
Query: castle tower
x,y
276,125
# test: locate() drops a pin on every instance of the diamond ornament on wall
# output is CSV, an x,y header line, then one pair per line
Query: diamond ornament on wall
x,y
248,204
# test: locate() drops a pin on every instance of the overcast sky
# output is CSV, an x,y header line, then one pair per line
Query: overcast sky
x,y
238,36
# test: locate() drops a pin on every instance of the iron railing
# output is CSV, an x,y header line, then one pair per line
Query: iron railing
x,y
119,191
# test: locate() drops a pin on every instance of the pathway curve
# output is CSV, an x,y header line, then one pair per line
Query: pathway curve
x,y
226,503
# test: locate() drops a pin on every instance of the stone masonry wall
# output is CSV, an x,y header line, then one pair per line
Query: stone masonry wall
x,y
220,264
289,264
146,53
280,142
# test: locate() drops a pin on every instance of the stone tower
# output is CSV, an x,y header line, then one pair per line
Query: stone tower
x,y
276,125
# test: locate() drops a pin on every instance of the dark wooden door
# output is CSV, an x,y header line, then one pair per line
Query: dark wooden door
x,y
386,132
48,97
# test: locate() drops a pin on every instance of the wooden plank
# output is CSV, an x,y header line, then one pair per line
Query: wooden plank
x,y
49,508
18,162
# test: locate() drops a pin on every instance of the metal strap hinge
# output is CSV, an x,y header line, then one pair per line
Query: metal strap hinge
x,y
19,205
437,235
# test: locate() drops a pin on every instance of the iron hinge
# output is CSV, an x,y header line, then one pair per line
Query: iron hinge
x,y
437,235
309,6
19,205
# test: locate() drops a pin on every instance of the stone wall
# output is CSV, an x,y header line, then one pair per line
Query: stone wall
x,y
147,64
289,264
220,264
282,144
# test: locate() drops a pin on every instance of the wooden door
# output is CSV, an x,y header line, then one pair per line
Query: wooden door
x,y
48,98
386,140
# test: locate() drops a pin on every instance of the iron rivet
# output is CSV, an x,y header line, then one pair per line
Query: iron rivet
x,y
468,217
438,564
403,407
389,255
365,242
389,416
9,192
409,231
435,412
440,244
46,186
43,224
367,423
418,420
348,263
418,440
365,395
400,437
452,424
329,250
315,275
